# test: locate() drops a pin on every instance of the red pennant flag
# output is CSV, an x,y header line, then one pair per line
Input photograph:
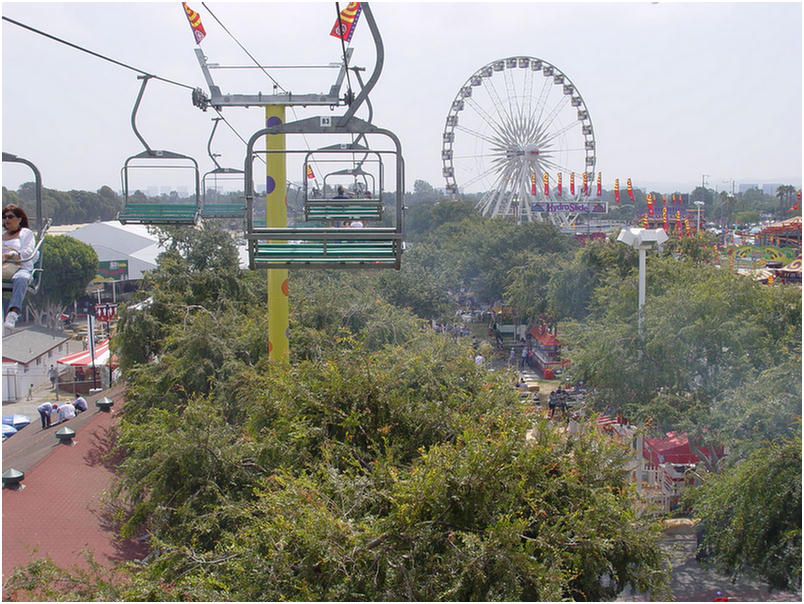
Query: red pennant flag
x,y
195,23
345,25
664,218
678,223
630,190
664,199
546,181
310,171
559,184
585,184
572,184
617,190
533,183
599,184
650,204
687,227
645,221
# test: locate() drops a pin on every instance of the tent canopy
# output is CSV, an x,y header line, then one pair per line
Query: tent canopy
x,y
84,359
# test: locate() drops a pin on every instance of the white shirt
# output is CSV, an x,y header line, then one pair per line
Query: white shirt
x,y
479,359
66,411
24,245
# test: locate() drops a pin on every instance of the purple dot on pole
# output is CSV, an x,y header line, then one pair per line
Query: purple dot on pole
x,y
270,184
272,121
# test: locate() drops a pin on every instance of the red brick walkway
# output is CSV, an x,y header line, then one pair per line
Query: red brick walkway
x,y
60,510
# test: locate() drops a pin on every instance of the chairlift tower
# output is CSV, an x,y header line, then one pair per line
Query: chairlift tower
x,y
278,247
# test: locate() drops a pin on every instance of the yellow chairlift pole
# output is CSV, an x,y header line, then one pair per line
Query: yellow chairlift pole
x,y
276,215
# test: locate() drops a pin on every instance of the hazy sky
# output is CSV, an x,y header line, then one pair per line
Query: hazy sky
x,y
677,92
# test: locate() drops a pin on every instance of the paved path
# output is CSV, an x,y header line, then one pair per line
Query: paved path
x,y
60,509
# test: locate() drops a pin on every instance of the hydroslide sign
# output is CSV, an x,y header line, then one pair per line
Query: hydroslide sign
x,y
591,207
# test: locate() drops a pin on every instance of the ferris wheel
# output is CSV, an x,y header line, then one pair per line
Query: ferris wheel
x,y
516,126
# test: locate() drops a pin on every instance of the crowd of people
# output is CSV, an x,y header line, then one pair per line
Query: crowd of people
x,y
64,412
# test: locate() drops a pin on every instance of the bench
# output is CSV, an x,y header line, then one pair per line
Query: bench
x,y
159,213
328,209
322,248
223,210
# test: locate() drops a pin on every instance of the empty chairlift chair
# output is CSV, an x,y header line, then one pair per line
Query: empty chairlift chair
x,y
161,212
212,203
331,246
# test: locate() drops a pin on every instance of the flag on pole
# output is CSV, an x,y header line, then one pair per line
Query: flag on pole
x,y
687,227
630,190
650,203
798,195
310,171
664,217
617,190
599,184
585,184
533,183
559,184
645,221
546,180
345,25
664,199
678,223
195,23
572,184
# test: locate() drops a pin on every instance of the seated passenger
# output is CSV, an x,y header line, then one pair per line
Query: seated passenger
x,y
19,243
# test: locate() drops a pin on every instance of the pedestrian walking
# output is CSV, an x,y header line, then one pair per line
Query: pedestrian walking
x,y
45,409
53,374
30,392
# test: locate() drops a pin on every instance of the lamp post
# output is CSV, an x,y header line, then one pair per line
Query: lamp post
x,y
642,240
699,204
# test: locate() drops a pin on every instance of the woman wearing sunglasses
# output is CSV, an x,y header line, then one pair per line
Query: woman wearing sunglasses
x,y
19,244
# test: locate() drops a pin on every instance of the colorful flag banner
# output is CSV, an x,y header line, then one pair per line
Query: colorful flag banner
x,y
798,195
559,185
572,184
310,171
585,184
345,25
650,203
630,190
195,23
678,223
664,199
546,181
533,183
599,184
687,227
617,190
664,217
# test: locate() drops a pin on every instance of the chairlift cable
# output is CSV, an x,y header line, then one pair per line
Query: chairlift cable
x,y
95,54
256,62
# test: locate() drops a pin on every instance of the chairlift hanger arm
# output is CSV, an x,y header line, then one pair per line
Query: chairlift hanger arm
x,y
37,182
217,99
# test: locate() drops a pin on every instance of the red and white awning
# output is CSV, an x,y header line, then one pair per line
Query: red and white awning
x,y
84,358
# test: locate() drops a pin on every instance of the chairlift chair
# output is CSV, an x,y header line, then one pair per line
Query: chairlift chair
x,y
220,209
365,205
42,227
158,213
340,247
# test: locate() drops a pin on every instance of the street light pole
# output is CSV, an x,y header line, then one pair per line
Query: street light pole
x,y
699,204
642,240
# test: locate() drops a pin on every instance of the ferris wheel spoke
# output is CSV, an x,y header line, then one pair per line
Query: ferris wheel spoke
x,y
499,103
477,134
480,176
484,115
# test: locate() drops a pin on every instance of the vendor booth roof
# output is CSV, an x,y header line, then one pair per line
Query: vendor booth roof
x,y
84,359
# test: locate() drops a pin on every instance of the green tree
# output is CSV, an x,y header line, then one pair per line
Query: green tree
x,y
750,515
69,266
